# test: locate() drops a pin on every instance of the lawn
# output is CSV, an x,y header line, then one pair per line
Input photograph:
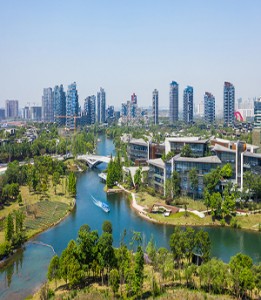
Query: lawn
x,y
42,210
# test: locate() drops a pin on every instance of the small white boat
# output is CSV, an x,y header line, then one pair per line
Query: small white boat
x,y
105,207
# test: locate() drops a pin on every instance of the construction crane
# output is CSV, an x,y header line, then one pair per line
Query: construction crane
x,y
69,117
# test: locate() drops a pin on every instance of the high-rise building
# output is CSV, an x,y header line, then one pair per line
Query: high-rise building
x,y
188,105
174,102
134,98
72,106
47,105
101,106
124,109
2,114
59,99
209,108
257,112
90,110
155,107
26,113
36,113
11,109
229,103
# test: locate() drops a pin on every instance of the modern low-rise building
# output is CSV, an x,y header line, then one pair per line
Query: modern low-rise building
x,y
198,146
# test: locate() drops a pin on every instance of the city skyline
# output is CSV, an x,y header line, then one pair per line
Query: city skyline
x,y
123,55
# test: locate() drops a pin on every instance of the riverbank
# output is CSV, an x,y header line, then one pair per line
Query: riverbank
x,y
188,218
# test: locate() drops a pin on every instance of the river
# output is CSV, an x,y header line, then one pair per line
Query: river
x,y
27,269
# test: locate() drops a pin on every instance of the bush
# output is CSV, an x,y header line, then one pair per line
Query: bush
x,y
5,250
234,223
222,222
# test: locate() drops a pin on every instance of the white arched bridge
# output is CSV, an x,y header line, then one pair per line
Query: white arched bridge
x,y
94,160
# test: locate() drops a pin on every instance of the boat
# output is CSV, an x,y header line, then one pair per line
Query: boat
x,y
104,206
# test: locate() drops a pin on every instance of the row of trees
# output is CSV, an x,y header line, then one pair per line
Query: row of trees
x,y
92,258
114,171
14,233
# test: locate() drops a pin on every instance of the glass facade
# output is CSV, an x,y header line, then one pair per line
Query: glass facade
x,y
72,106
229,103
209,108
174,102
188,105
59,99
137,151
198,149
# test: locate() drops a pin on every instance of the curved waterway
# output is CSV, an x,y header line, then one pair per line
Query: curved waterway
x,y
27,269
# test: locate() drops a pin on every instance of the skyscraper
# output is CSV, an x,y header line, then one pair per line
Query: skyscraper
x,y
209,108
47,105
101,106
59,99
188,105
72,106
229,103
174,102
155,107
11,109
257,112
90,109
134,98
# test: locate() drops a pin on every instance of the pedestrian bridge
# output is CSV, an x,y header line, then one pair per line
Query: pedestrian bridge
x,y
94,160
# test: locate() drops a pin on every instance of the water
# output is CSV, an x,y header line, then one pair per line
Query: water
x,y
27,270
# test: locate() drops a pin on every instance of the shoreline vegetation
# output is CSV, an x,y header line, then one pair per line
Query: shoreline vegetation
x,y
37,208
141,202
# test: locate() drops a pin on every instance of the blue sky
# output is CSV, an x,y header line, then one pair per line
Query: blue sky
x,y
129,46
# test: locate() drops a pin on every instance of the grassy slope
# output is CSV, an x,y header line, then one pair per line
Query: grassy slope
x,y
43,210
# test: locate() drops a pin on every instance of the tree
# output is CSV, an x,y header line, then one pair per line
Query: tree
x,y
9,228
203,244
193,179
114,280
110,174
226,171
53,269
216,204
229,203
213,276
175,184
177,244
138,178
186,151
106,255
206,198
139,271
56,180
107,226
19,199
241,274
212,179
72,183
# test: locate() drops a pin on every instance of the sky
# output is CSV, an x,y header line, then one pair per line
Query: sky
x,y
128,46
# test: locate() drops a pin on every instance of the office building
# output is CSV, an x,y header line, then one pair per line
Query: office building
x,y
59,99
155,107
188,105
257,112
209,108
72,106
11,109
101,106
47,105
229,103
173,102
90,110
